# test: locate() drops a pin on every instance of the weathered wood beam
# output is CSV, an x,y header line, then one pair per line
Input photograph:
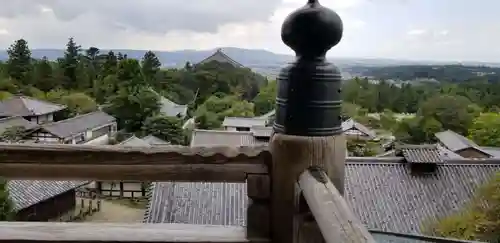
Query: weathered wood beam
x,y
35,232
61,162
335,219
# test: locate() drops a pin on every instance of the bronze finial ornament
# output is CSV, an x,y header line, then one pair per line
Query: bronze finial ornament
x,y
308,101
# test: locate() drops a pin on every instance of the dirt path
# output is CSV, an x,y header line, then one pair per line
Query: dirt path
x,y
114,212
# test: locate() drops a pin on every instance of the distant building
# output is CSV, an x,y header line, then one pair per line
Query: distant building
x,y
220,56
154,141
462,145
91,128
242,123
16,121
254,137
124,189
170,108
356,130
31,109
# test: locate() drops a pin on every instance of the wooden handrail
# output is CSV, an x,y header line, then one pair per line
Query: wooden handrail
x,y
171,163
35,232
332,214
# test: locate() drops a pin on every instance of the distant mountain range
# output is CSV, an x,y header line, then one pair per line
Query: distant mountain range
x,y
261,61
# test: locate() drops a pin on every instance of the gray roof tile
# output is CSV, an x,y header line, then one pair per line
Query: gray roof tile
x,y
220,56
259,131
244,122
384,195
428,153
170,108
456,142
350,124
152,140
134,142
27,106
15,121
206,138
78,124
25,193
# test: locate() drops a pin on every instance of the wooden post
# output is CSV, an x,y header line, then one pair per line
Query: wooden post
x,y
307,128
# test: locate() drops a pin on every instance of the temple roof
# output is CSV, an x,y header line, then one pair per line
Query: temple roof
x,y
220,56
383,193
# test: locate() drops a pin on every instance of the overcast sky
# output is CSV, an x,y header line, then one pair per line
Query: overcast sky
x,y
409,29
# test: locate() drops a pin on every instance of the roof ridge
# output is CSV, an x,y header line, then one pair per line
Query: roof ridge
x,y
73,118
128,139
223,131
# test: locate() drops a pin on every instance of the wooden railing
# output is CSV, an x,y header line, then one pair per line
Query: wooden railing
x,y
217,164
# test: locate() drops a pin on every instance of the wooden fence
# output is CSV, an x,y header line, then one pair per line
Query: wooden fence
x,y
218,164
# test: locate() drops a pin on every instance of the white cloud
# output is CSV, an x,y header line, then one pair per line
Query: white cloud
x,y
4,32
415,32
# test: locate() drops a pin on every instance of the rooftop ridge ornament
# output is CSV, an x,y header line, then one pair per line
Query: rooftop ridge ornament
x,y
308,101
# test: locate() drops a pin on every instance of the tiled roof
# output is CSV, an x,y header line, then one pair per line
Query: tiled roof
x,y
206,138
221,138
428,153
170,108
258,131
456,142
25,193
244,122
15,121
493,151
134,142
384,195
351,124
27,106
78,124
220,56
152,140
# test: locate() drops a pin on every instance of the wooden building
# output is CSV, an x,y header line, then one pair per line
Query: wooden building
x,y
462,145
125,189
34,110
43,200
91,128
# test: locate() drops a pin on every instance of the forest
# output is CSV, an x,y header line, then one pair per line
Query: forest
x,y
448,73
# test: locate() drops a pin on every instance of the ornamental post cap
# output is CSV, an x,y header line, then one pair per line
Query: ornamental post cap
x,y
312,30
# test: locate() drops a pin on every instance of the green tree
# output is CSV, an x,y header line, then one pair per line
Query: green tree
x,y
453,112
78,103
110,64
207,120
265,99
132,106
6,206
19,64
485,130
418,130
240,109
479,220
13,134
129,73
150,65
166,128
70,63
44,74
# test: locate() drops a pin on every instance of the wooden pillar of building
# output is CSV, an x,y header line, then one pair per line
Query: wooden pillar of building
x,y
307,128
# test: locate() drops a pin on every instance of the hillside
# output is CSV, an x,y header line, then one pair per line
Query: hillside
x,y
451,73
269,63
